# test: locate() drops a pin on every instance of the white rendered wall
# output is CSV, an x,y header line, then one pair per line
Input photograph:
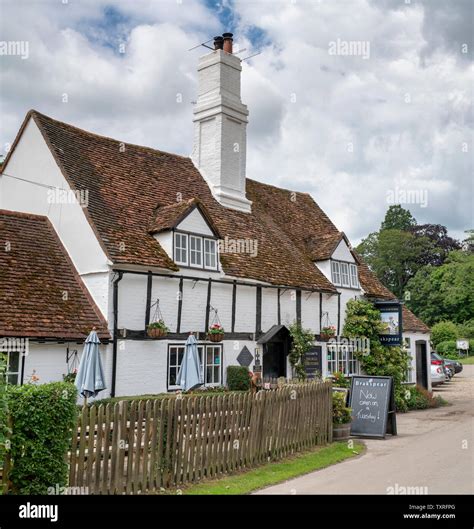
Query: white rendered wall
x,y
33,161
195,222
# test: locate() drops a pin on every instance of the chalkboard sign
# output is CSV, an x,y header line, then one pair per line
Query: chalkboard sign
x,y
312,362
373,406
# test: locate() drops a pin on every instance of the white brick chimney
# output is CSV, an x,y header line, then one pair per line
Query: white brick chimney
x,y
220,123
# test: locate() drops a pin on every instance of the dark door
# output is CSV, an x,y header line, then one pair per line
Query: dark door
x,y
274,360
421,364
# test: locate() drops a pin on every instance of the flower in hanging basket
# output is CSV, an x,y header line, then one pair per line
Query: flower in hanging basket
x,y
215,332
157,329
328,332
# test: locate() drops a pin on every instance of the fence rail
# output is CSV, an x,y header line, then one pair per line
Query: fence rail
x,y
140,446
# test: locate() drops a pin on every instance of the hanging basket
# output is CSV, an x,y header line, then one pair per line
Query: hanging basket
x,y
157,328
216,337
215,332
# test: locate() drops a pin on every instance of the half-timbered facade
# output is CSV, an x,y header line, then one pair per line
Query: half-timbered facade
x,y
144,229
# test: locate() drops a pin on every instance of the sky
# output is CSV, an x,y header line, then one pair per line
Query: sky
x,y
361,103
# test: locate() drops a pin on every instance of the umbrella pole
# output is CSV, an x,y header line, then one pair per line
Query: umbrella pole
x,y
85,401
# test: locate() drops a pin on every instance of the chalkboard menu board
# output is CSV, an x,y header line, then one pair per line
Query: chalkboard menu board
x,y
372,403
312,362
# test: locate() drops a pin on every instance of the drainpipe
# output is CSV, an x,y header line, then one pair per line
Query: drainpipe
x,y
115,334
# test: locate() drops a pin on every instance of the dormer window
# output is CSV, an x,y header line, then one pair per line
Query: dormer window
x,y
195,251
344,274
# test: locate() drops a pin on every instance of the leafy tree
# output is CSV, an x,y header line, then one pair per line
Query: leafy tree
x,y
441,243
443,331
398,218
466,329
445,292
468,242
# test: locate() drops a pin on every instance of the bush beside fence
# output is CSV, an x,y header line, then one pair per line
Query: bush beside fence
x,y
42,419
144,445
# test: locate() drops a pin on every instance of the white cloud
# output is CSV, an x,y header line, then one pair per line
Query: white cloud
x,y
343,128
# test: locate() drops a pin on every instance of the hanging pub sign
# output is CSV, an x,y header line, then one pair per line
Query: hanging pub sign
x,y
391,316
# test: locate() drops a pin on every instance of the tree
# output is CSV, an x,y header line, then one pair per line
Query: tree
x,y
441,243
398,218
468,242
394,255
445,292
443,331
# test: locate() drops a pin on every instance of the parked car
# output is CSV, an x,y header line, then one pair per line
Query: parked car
x,y
446,363
457,366
438,375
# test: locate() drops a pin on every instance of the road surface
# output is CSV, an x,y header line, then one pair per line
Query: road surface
x,y
433,451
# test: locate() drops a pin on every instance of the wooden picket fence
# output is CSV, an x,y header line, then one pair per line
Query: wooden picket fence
x,y
141,446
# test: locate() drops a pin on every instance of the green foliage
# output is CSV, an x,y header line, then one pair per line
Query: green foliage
x,y
238,378
363,321
443,331
398,218
447,349
160,324
341,414
43,418
466,329
416,398
4,429
445,292
339,380
303,340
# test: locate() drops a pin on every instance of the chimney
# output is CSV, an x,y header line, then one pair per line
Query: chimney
x,y
220,123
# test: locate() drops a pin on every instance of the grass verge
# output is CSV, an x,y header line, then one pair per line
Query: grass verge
x,y
469,360
272,473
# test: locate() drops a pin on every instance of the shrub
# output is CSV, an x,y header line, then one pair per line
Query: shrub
x,y
340,381
466,329
448,349
443,331
4,430
238,378
42,421
341,414
417,398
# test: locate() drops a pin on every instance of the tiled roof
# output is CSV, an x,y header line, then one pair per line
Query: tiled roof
x,y
322,246
127,183
412,323
168,217
41,294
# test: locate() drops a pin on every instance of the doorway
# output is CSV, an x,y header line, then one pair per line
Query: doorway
x,y
421,364
276,346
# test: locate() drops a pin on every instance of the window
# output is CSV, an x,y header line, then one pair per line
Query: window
x,y
344,274
210,360
13,367
342,358
181,248
354,276
195,246
210,253
344,267
336,276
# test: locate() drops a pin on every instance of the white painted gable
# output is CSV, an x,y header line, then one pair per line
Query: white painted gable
x,y
195,223
343,253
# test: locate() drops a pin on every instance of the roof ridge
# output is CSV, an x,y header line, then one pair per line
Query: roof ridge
x,y
34,113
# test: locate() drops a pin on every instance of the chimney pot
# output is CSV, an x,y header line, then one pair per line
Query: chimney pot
x,y
218,43
228,42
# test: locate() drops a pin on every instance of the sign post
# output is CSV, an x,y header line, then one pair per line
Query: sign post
x,y
373,406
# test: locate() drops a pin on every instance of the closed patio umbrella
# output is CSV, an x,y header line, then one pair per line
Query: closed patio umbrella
x,y
90,378
189,374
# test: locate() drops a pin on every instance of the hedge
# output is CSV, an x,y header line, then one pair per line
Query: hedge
x,y
42,418
238,378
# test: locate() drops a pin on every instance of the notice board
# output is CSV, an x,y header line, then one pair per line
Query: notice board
x,y
373,406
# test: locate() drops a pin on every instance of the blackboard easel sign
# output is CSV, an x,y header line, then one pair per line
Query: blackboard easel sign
x,y
373,406
312,362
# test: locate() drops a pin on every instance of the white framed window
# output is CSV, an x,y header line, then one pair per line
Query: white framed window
x,y
210,253
13,367
344,267
335,273
354,276
195,251
181,248
210,361
341,358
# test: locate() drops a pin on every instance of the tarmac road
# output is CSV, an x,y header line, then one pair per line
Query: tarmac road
x,y
433,451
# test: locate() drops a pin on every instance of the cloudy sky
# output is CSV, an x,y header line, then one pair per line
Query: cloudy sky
x,y
356,131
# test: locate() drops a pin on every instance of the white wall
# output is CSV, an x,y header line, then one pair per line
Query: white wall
x,y
195,222
33,161
414,337
342,253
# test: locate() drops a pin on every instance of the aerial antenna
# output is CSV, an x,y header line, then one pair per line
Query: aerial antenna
x,y
250,56
205,44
